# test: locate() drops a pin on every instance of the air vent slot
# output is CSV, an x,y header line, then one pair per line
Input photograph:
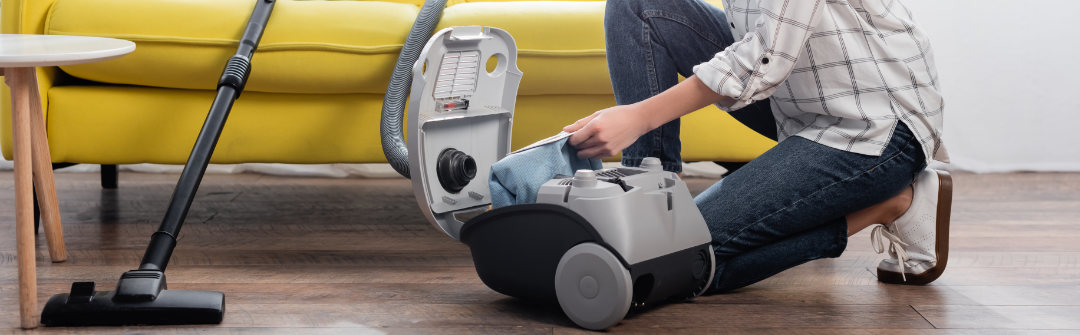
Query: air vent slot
x,y
611,174
142,274
457,75
618,173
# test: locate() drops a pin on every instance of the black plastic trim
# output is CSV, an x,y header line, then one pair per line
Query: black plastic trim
x,y
673,275
516,249
236,73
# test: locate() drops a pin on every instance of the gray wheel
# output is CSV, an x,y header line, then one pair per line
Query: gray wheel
x,y
711,268
593,287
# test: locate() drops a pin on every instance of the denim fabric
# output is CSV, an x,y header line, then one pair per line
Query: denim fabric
x,y
649,45
517,178
786,207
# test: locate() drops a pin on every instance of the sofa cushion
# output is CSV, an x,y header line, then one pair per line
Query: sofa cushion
x,y
328,46
123,125
325,46
308,46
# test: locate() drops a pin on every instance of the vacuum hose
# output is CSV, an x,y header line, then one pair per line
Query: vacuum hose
x,y
393,112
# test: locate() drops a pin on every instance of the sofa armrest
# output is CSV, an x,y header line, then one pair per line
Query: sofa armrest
x,y
23,17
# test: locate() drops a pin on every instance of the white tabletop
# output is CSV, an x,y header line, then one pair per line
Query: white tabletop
x,y
51,50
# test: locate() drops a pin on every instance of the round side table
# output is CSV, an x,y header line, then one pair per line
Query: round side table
x,y
19,56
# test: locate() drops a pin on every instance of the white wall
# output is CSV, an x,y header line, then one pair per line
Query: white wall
x,y
1009,71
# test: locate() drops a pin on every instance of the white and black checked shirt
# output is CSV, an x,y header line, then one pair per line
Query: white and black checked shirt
x,y
840,73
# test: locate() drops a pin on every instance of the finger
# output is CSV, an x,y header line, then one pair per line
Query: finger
x,y
579,124
585,154
594,141
594,152
591,150
582,135
573,127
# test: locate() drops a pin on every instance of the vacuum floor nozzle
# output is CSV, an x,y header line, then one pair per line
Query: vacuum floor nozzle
x,y
85,307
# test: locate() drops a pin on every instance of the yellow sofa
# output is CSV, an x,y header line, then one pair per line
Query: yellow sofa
x,y
315,91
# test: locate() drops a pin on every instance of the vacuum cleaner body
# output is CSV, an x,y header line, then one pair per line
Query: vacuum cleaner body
x,y
461,115
596,243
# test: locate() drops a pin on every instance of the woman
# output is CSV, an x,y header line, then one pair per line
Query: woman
x,y
854,93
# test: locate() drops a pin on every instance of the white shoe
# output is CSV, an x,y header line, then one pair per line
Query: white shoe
x,y
918,241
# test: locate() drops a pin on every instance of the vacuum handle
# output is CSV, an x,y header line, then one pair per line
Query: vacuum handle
x,y
230,85
255,27
238,67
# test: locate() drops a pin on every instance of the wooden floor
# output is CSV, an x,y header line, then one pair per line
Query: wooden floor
x,y
304,255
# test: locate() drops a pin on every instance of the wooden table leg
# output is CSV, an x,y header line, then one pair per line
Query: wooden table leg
x,y
43,173
24,211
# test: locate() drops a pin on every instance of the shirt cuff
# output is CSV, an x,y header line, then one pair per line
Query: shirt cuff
x,y
722,82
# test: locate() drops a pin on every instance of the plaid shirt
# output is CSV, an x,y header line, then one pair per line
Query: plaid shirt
x,y
839,72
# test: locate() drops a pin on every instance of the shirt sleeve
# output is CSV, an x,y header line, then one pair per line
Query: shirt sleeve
x,y
751,69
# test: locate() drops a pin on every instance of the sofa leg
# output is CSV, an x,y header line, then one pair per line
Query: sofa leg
x,y
109,176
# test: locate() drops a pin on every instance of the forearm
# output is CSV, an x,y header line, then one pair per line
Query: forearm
x,y
688,96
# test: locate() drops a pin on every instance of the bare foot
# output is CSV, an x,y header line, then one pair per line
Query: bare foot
x,y
901,203
883,213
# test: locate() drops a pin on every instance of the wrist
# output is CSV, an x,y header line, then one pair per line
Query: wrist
x,y
649,113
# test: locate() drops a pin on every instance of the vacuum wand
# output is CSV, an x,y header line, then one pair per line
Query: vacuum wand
x,y
141,296
230,85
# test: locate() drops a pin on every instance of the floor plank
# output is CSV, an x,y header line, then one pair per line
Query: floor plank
x,y
1004,317
355,256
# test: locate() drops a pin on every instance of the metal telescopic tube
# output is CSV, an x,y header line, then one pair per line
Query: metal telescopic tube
x,y
229,87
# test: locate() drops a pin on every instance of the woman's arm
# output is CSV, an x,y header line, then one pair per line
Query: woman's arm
x,y
748,70
686,97
751,69
608,131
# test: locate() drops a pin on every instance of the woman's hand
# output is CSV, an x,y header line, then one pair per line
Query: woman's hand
x,y
606,132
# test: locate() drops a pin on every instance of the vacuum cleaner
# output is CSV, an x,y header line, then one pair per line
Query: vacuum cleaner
x,y
598,243
141,296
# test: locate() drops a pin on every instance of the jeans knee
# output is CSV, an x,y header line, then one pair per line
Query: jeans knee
x,y
617,11
638,6
622,5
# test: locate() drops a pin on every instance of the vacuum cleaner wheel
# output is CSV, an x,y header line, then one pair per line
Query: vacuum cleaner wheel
x,y
593,287
711,268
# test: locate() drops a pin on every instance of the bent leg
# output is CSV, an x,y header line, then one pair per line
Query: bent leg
x,y
788,206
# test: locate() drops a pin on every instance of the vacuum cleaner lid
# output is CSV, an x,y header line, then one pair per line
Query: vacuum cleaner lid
x,y
461,110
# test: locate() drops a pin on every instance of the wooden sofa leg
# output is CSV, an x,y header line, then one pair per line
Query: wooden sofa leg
x,y
109,176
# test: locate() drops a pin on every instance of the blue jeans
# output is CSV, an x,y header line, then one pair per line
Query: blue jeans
x,y
786,207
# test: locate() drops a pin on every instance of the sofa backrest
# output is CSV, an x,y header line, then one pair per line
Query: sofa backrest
x,y
326,46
